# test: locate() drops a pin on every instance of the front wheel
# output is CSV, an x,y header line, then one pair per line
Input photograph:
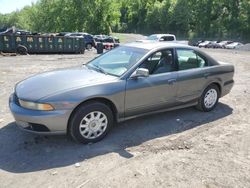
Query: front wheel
x,y
209,98
91,122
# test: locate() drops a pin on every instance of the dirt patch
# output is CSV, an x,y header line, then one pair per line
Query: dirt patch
x,y
183,148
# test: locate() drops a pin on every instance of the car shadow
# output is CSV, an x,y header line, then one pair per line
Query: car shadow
x,y
21,152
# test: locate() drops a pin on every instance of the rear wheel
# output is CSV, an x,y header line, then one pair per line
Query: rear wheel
x,y
209,98
89,46
91,122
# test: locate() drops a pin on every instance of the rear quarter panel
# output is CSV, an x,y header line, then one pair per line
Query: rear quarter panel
x,y
221,74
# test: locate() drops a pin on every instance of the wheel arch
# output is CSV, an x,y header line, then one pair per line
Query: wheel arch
x,y
105,101
217,83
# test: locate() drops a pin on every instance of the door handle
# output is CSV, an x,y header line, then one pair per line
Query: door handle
x,y
171,81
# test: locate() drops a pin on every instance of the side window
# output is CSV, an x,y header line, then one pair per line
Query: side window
x,y
168,38
155,57
188,59
159,62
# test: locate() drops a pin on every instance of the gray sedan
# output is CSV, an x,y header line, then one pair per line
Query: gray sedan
x,y
129,81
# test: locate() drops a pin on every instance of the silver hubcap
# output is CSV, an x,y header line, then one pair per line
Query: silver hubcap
x,y
210,98
93,125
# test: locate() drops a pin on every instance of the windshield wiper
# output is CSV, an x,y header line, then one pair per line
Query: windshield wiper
x,y
100,69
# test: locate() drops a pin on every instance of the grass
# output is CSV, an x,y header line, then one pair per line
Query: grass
x,y
120,36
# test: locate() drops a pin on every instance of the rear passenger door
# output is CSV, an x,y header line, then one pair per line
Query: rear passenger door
x,y
192,74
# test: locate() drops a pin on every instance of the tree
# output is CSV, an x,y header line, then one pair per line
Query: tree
x,y
217,19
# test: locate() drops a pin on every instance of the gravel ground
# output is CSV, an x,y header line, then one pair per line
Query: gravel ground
x,y
183,148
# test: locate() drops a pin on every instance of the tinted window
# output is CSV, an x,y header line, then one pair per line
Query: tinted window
x,y
167,38
189,59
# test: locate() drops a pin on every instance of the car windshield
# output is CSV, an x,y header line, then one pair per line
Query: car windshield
x,y
117,61
152,37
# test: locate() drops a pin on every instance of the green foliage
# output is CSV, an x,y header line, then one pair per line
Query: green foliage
x,y
186,18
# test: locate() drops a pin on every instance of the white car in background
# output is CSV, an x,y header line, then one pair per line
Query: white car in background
x,y
159,38
163,38
234,45
222,44
203,44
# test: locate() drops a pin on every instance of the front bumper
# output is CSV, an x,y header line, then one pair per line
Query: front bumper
x,y
41,122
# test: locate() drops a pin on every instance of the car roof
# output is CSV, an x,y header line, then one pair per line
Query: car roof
x,y
162,35
152,46
156,45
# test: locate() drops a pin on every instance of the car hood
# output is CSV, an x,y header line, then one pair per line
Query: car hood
x,y
49,83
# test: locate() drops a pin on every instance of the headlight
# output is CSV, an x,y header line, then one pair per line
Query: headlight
x,y
35,106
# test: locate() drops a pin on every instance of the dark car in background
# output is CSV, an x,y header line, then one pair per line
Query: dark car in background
x,y
88,38
106,38
107,42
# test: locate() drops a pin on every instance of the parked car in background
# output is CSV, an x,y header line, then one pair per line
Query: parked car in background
x,y
161,37
108,42
233,45
129,81
88,38
196,43
212,44
203,44
106,38
100,38
222,44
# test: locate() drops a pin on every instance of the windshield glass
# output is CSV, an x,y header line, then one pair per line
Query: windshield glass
x,y
152,37
117,61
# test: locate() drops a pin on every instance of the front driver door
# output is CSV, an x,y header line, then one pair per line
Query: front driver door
x,y
155,92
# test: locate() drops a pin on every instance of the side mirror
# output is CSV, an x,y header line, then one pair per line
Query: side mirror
x,y
140,72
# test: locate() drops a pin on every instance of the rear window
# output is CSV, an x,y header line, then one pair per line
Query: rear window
x,y
167,38
189,59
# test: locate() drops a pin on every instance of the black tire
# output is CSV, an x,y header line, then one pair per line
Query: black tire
x,y
22,50
82,51
99,48
201,103
81,113
88,46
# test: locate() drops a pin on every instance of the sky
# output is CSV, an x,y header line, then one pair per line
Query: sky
x,y
7,6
